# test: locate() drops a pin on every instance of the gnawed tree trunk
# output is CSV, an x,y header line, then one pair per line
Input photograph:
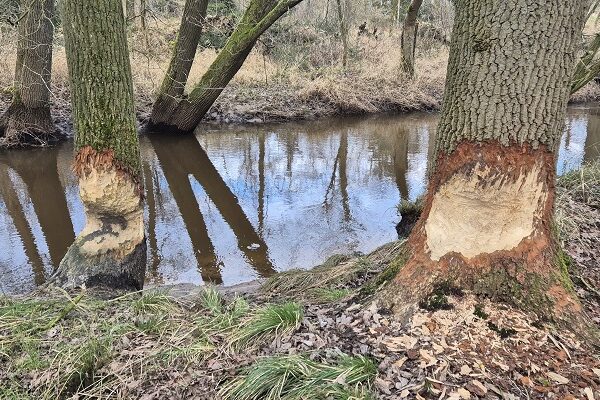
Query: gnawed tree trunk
x,y
27,120
187,113
173,85
486,224
111,249
408,39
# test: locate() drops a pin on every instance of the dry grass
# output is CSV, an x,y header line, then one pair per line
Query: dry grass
x,y
305,84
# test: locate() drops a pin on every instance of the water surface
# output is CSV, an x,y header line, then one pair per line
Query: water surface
x,y
231,204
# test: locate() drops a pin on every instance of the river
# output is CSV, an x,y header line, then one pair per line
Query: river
x,y
233,203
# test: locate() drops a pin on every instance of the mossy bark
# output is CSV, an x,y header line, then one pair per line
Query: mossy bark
x,y
111,249
189,111
486,220
408,40
27,120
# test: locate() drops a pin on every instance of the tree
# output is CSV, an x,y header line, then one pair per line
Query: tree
x,y
409,37
28,120
343,21
486,223
111,249
184,114
172,89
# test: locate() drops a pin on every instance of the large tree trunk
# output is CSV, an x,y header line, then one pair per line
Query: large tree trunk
x,y
111,249
408,39
187,113
27,120
173,85
487,218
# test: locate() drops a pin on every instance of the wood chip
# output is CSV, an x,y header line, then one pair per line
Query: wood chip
x,y
561,380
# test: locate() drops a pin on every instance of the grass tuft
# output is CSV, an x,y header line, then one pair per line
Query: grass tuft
x,y
153,302
328,295
296,377
272,319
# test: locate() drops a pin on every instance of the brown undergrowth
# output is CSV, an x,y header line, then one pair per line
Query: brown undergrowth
x,y
270,89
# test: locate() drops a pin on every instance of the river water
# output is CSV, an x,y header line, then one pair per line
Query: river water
x,y
235,203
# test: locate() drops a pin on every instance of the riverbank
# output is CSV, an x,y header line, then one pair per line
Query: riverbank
x,y
275,83
308,334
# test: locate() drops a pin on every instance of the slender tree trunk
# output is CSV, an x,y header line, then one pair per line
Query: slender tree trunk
x,y
27,120
343,32
486,224
111,249
409,37
189,111
173,85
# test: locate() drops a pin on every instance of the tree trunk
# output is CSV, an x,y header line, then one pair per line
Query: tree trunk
x,y
173,85
343,32
409,37
111,250
187,113
27,120
486,224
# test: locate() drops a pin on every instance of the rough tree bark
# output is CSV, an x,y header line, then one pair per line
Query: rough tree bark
x,y
408,40
27,120
188,111
486,224
111,250
173,85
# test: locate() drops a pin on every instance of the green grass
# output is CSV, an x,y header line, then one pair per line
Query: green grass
x,y
328,295
211,300
153,302
269,320
296,377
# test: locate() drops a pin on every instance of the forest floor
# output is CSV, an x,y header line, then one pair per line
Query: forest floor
x,y
309,335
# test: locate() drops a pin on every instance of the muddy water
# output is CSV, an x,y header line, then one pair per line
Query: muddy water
x,y
232,204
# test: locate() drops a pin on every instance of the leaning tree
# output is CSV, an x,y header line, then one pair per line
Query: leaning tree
x,y
486,224
28,120
111,249
183,113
